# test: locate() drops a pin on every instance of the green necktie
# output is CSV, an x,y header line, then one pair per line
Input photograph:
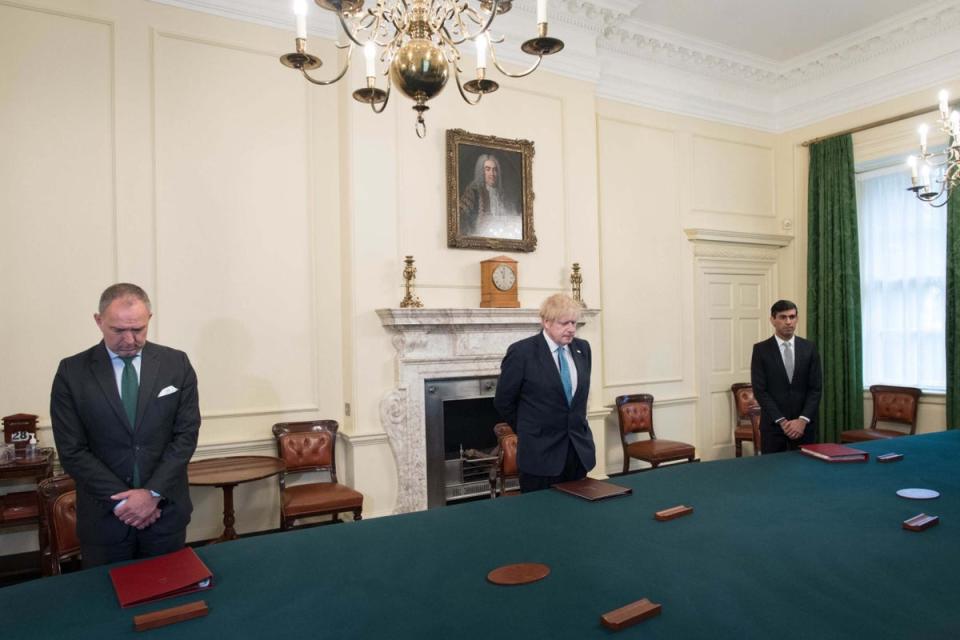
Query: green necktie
x,y
129,391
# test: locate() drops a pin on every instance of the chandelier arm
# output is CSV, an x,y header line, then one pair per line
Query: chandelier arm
x,y
385,100
484,26
451,43
342,73
348,30
463,94
493,14
496,63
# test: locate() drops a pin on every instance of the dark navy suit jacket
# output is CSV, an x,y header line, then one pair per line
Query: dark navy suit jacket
x,y
97,444
777,396
530,398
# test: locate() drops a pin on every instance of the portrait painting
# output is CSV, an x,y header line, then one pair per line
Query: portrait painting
x,y
489,192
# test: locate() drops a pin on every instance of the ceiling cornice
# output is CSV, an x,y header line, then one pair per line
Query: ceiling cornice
x,y
638,63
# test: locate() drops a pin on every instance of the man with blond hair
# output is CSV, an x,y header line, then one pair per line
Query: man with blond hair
x,y
542,394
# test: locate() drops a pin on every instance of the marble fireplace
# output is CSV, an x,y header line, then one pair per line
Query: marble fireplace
x,y
434,345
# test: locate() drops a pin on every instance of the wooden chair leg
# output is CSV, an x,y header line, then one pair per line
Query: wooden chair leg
x,y
739,447
356,515
626,463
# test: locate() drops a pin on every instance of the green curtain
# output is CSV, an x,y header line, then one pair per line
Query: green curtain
x,y
833,285
953,309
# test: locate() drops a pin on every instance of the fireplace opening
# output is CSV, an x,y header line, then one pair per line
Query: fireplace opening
x,y
461,445
468,427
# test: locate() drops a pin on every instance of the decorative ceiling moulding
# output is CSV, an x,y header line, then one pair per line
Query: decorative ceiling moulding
x,y
650,66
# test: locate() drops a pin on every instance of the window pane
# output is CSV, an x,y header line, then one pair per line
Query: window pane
x,y
902,283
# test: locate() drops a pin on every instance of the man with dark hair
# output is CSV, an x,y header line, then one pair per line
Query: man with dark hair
x,y
125,419
786,377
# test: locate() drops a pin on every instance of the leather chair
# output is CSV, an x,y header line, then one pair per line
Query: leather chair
x,y
755,428
58,523
635,413
506,467
743,400
311,447
890,404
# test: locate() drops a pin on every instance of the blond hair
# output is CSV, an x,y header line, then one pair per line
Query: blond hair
x,y
559,305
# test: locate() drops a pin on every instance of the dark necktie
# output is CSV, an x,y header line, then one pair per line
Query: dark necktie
x,y
565,375
129,391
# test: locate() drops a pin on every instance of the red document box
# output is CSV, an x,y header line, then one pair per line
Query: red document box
x,y
165,576
834,452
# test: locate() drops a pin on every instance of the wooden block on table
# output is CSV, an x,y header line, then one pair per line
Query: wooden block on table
x,y
630,614
920,522
673,512
172,615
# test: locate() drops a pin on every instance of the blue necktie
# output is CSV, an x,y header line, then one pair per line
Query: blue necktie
x,y
565,375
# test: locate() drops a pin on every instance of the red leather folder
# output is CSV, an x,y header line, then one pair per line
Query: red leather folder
x,y
165,576
834,452
592,490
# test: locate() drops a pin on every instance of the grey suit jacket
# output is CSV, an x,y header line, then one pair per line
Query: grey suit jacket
x,y
531,399
97,445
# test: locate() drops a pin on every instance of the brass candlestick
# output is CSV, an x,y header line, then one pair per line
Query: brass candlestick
x,y
576,280
409,301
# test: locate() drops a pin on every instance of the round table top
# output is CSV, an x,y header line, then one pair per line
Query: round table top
x,y
233,470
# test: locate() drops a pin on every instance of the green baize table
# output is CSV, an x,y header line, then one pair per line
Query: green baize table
x,y
780,546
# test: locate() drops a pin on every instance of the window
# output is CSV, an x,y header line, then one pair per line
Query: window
x,y
902,282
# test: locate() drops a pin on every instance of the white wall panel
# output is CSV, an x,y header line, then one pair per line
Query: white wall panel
x,y
232,176
732,177
642,251
57,195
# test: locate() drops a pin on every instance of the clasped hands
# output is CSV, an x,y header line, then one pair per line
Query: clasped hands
x,y
139,508
794,428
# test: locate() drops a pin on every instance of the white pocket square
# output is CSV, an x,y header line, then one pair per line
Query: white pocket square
x,y
167,391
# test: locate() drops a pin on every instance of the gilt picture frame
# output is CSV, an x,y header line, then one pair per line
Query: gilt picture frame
x,y
489,192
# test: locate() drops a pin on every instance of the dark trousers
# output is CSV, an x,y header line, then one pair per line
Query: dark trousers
x,y
573,469
777,441
137,544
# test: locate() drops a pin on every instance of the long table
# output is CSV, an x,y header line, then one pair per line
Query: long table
x,y
781,546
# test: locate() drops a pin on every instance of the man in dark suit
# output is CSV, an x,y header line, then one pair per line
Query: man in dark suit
x,y
125,419
786,377
542,394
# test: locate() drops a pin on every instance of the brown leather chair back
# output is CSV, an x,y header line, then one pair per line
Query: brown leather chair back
x,y
308,446
895,404
58,522
502,429
508,456
743,400
506,465
636,414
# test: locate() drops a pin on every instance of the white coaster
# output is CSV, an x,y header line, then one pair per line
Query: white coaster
x,y
918,494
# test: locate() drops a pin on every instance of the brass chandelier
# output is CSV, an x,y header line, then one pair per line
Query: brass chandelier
x,y
942,167
418,42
